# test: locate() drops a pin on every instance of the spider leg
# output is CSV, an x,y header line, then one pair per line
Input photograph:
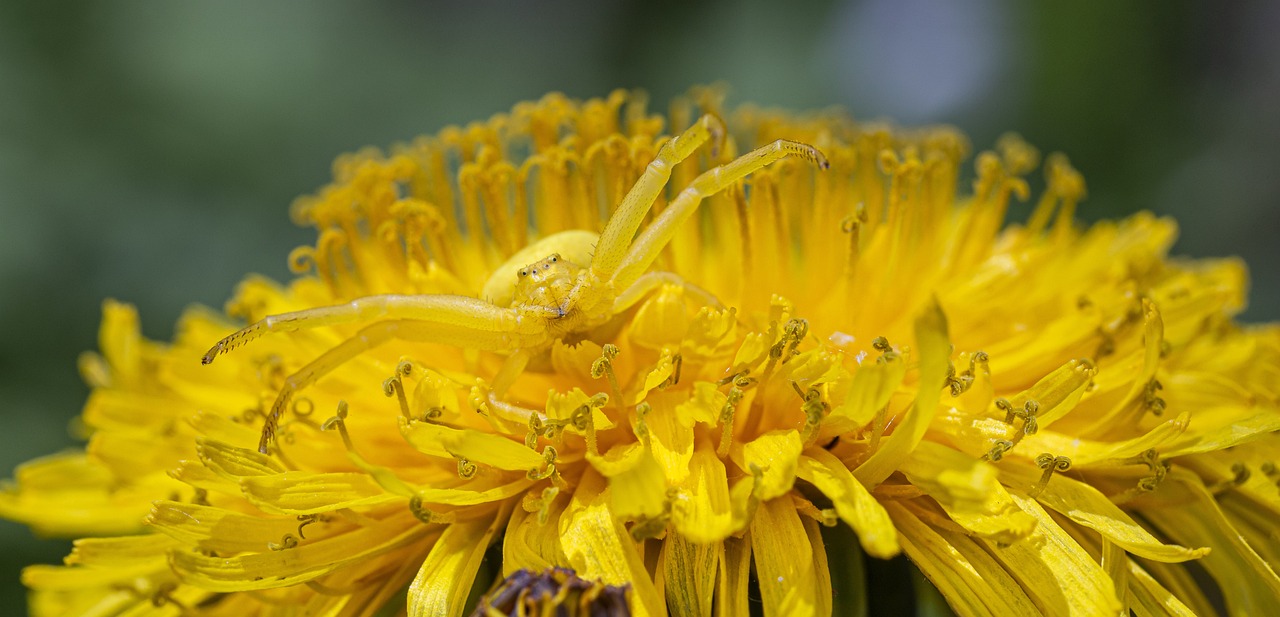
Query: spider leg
x,y
461,311
626,219
368,338
653,239
650,281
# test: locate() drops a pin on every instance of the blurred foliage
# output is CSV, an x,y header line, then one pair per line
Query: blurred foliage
x,y
149,149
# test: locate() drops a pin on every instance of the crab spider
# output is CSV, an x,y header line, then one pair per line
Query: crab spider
x,y
548,299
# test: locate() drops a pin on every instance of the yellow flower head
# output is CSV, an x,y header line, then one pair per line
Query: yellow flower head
x,y
664,363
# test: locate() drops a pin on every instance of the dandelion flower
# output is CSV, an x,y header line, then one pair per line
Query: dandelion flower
x,y
480,355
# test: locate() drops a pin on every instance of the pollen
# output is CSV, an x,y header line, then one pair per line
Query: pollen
x,y
682,363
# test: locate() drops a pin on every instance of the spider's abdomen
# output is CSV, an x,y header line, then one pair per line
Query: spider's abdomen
x,y
504,287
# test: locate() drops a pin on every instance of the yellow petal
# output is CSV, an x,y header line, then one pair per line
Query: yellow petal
x,y
969,578
233,462
306,561
300,492
704,405
1152,597
732,583
821,573
969,491
1248,583
1088,507
218,530
475,493
784,560
855,506
70,495
1085,452
490,449
445,578
932,348
868,392
775,453
671,436
689,575
531,545
599,548
120,551
639,492
703,511
1055,571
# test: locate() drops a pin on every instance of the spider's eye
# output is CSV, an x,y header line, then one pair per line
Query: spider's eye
x,y
523,273
554,258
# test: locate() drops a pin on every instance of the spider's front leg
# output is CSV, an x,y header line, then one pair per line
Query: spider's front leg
x,y
449,320
461,311
641,254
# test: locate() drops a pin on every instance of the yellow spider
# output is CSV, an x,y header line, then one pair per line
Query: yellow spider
x,y
547,300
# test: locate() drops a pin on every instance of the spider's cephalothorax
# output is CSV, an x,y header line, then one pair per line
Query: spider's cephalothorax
x,y
547,283
549,299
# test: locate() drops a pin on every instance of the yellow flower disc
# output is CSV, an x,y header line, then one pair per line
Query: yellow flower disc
x,y
1046,418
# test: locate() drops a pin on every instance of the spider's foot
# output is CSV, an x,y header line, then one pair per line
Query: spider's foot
x,y
212,353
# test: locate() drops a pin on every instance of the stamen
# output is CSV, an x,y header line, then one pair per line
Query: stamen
x,y
164,595
548,498
466,469
793,334
304,520
549,455
603,366
877,427
287,542
726,420
887,354
1050,464
676,362
339,422
1153,403
642,428
826,517
998,451
1240,475
959,384
393,386
428,516
536,429
815,410
582,419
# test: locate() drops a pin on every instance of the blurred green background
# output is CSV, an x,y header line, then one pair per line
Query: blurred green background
x,y
149,150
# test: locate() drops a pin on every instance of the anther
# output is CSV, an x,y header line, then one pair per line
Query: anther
x,y
1050,464
303,521
997,452
467,469
676,361
1239,475
421,512
393,386
881,344
549,455
603,366
339,422
642,428
826,517
726,421
287,542
536,428
815,410
1151,400
548,497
